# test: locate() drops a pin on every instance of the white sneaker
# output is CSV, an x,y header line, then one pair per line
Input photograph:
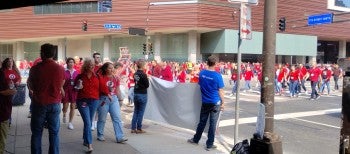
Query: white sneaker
x,y
70,126
306,93
92,128
231,94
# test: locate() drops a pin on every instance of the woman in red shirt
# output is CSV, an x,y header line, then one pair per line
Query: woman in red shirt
x,y
70,93
109,88
293,79
88,87
181,78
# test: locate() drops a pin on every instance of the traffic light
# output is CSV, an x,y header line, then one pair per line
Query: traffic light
x,y
150,47
282,24
84,25
144,47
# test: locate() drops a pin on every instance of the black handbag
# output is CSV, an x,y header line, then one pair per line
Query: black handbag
x,y
241,148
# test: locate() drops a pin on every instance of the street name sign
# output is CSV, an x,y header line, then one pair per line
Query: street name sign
x,y
319,19
246,22
112,26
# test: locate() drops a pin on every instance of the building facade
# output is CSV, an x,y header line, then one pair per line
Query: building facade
x,y
187,30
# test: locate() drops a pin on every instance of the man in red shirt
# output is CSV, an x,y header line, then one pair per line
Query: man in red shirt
x,y
97,60
326,77
248,75
166,73
156,69
302,76
45,83
314,74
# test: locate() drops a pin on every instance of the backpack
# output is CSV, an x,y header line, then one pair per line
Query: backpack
x,y
241,148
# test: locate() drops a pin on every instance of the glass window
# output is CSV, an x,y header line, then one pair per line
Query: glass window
x,y
76,8
38,9
66,7
86,7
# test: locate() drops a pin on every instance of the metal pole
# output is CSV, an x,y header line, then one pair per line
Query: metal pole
x,y
345,127
271,144
239,56
269,47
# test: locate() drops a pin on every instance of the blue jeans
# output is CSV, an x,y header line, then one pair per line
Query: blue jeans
x,y
325,83
140,101
293,87
114,110
41,114
234,89
210,111
131,95
87,108
247,85
314,93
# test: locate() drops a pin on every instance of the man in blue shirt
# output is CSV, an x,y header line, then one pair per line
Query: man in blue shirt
x,y
211,85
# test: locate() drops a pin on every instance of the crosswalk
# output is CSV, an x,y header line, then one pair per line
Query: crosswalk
x,y
254,96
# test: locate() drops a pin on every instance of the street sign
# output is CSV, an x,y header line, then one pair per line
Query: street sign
x,y
319,19
112,26
246,22
254,2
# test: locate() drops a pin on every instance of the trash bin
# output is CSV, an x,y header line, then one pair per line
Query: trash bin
x,y
20,97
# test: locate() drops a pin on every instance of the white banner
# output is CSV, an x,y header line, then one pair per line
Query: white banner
x,y
173,103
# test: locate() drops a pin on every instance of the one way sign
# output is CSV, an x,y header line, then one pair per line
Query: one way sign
x,y
246,22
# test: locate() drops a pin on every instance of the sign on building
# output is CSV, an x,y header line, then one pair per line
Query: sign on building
x,y
246,22
254,2
319,19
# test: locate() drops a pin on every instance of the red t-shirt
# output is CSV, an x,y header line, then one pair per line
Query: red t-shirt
x,y
194,78
166,74
326,74
248,75
182,77
131,81
234,76
12,75
156,71
91,87
5,101
314,74
293,75
77,67
260,75
46,80
108,85
281,75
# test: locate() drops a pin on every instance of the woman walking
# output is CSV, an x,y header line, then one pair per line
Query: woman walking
x,y
109,87
140,97
87,84
70,93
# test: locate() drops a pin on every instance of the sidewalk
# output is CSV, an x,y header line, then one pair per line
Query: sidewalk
x,y
159,139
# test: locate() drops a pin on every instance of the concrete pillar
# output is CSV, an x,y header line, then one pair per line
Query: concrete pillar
x,y
193,46
62,49
312,59
157,46
18,51
342,49
107,46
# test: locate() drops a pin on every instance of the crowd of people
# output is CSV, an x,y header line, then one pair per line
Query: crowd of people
x,y
97,88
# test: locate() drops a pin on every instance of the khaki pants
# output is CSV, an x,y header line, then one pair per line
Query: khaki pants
x,y
4,128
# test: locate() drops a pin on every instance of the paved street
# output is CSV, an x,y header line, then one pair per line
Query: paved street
x,y
307,127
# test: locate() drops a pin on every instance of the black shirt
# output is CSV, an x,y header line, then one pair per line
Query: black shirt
x,y
141,82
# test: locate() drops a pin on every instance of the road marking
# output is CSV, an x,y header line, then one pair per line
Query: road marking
x,y
317,123
231,122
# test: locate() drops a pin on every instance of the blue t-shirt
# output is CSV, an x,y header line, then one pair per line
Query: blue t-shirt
x,y
210,82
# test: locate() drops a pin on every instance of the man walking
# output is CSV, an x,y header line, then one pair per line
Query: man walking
x,y
211,85
45,83
315,75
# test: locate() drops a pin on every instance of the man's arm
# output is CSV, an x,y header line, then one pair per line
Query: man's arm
x,y
221,93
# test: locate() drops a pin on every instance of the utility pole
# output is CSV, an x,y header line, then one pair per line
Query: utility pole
x,y
344,147
271,142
